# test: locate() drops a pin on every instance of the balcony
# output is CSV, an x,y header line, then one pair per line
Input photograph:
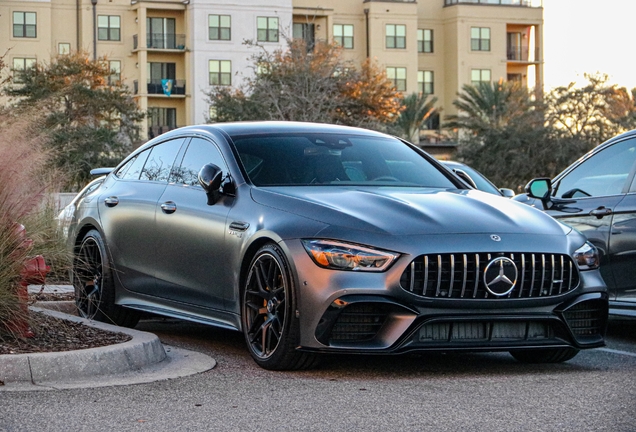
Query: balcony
x,y
154,87
521,54
162,42
521,3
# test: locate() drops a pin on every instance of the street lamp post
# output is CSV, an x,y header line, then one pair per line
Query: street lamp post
x,y
94,3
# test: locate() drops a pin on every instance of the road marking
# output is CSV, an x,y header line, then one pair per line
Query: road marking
x,y
613,351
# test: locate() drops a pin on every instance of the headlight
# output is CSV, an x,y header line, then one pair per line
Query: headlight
x,y
587,257
342,256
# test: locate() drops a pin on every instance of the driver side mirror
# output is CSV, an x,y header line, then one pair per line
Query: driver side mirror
x,y
210,179
464,176
540,188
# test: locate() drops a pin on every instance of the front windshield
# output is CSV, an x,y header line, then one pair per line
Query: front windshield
x,y
335,159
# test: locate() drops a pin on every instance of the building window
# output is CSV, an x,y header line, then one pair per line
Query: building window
x,y
21,64
424,40
343,35
305,32
161,120
480,39
108,28
425,82
395,36
267,29
398,76
24,24
161,34
480,76
63,48
219,27
115,72
220,72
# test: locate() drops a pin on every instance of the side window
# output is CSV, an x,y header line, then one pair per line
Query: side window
x,y
199,153
603,174
160,161
132,168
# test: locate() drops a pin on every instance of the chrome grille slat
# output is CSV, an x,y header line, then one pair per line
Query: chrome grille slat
x,y
439,275
523,273
532,282
452,275
542,275
464,279
455,276
477,277
425,286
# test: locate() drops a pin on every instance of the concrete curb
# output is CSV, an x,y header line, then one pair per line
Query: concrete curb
x,y
141,359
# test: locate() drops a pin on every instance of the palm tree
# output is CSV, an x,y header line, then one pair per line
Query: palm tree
x,y
491,106
416,110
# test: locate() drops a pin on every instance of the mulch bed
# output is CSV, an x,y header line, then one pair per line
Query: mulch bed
x,y
54,335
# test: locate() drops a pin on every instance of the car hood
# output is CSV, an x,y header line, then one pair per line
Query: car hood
x,y
409,211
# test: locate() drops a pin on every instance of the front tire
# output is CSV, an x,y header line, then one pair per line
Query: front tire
x,y
544,355
94,285
267,311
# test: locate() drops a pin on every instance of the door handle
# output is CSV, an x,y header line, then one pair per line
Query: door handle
x,y
601,212
111,201
239,226
168,207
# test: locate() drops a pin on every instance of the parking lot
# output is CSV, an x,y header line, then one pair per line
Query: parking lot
x,y
446,392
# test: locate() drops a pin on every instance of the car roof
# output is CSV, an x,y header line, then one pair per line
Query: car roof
x,y
269,127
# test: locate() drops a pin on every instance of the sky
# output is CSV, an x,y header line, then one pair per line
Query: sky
x,y
588,36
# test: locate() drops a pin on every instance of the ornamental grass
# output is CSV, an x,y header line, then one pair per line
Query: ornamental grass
x,y
26,188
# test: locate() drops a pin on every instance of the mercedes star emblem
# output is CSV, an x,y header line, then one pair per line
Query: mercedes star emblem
x,y
500,276
495,237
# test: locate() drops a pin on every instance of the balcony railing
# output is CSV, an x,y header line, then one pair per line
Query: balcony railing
x,y
516,53
155,130
155,86
522,3
162,41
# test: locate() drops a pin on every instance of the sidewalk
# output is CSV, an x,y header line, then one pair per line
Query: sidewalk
x,y
142,359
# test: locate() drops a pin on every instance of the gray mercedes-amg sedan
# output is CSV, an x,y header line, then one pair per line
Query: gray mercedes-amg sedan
x,y
314,238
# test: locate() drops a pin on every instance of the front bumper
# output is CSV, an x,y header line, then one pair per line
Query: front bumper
x,y
371,313
368,324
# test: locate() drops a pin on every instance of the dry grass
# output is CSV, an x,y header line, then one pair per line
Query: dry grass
x,y
25,184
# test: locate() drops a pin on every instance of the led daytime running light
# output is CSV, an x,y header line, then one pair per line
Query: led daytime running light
x,y
343,256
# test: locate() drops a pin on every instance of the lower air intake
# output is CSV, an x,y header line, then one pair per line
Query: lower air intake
x,y
359,322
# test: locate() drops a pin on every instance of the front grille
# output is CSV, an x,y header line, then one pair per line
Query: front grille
x,y
496,331
359,322
460,276
587,318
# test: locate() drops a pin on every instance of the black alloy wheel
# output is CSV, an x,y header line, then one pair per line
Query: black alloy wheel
x,y
270,330
88,276
93,283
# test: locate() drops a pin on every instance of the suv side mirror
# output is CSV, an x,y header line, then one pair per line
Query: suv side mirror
x,y
210,178
540,188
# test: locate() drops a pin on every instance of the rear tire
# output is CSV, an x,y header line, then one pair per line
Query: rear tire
x,y
268,308
544,355
94,285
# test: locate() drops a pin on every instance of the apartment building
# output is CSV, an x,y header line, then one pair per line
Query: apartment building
x,y
169,52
